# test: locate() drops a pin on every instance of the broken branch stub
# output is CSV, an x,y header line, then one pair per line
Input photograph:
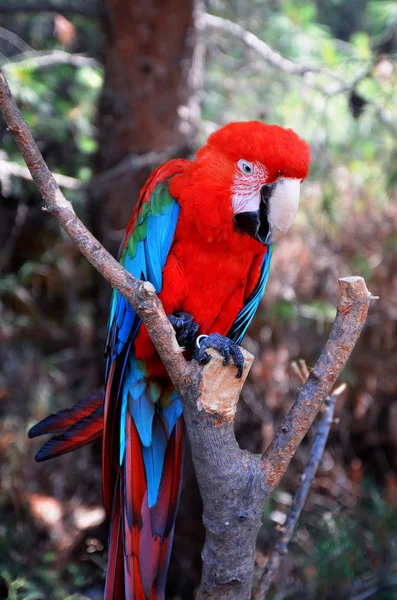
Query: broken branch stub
x,y
219,389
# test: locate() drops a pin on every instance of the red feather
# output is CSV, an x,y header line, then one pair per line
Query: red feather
x,y
114,586
80,434
164,512
65,418
134,492
108,448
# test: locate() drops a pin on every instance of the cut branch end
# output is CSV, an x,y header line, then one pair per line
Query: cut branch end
x,y
219,388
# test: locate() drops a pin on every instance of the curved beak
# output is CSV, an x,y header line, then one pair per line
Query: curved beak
x,y
277,210
281,207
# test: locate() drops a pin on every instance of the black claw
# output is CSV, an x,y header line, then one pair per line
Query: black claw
x,y
185,328
226,348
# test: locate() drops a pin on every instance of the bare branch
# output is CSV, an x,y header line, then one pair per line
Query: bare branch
x,y
86,9
273,58
351,314
39,60
278,61
139,294
8,168
131,163
324,425
15,40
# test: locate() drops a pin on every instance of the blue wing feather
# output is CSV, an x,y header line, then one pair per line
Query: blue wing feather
x,y
138,396
246,314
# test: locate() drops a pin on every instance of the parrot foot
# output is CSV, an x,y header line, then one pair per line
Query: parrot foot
x,y
185,328
226,348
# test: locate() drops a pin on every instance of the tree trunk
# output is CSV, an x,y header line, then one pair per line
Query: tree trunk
x,y
149,100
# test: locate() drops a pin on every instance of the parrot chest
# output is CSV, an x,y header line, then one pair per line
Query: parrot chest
x,y
215,280
209,281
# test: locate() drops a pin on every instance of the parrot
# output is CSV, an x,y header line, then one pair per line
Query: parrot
x,y
202,233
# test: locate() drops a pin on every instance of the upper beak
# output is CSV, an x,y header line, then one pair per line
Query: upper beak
x,y
279,207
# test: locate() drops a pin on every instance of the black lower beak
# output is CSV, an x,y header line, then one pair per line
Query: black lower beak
x,y
247,222
256,223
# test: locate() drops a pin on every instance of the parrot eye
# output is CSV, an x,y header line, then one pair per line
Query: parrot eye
x,y
245,167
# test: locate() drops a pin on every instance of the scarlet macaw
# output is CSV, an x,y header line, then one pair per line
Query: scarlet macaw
x,y
202,234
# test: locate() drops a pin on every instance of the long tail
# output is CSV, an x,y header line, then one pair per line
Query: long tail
x,y
78,426
141,534
140,537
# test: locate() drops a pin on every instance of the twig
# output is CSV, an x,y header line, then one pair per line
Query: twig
x,y
375,590
131,163
280,62
324,424
42,59
273,58
14,39
9,243
85,9
8,168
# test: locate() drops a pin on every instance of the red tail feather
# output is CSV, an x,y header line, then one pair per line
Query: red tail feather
x,y
109,469
147,532
66,418
80,434
114,586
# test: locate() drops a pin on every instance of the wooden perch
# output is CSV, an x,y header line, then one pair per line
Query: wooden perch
x,y
234,484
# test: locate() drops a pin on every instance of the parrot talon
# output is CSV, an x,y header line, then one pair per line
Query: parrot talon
x,y
226,348
185,328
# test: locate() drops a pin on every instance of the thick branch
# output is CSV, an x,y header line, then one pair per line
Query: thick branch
x,y
230,482
351,314
140,295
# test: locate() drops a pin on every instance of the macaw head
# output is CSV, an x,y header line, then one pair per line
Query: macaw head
x,y
261,167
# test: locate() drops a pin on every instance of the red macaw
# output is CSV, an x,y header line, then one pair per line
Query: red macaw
x,y
202,234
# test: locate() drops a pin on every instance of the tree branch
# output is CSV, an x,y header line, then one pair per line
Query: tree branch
x,y
8,168
139,294
278,61
42,59
106,179
86,9
273,58
351,314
